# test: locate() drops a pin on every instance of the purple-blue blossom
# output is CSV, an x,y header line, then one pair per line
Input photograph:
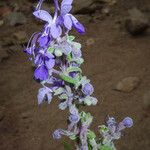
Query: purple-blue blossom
x,y
57,59
57,134
87,89
74,118
127,122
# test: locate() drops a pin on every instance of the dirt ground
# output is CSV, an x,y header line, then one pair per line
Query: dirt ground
x,y
113,55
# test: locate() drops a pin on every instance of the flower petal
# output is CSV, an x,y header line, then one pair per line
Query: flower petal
x,y
41,73
41,95
49,55
77,25
68,2
43,40
67,22
29,50
56,31
50,63
65,9
49,97
43,15
38,60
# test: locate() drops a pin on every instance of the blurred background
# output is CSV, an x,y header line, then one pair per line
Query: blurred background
x,y
116,50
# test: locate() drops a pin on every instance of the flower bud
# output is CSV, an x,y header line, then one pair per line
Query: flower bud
x,y
87,89
128,122
58,52
56,134
74,118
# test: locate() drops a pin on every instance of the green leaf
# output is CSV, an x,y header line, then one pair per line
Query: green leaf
x,y
58,91
86,117
91,134
69,57
105,147
88,101
77,45
63,96
73,137
66,146
89,147
70,38
69,79
79,60
50,49
74,69
103,128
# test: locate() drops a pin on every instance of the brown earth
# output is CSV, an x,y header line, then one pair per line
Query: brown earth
x,y
114,55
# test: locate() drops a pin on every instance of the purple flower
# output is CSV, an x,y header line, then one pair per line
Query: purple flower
x,y
72,74
68,19
77,53
44,93
41,73
45,62
28,50
87,89
43,15
43,41
74,118
31,47
112,124
57,135
52,26
127,122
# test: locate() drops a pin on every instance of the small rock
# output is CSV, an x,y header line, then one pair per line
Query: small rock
x,y
2,114
146,100
1,22
90,41
106,10
3,54
137,22
16,18
21,35
127,84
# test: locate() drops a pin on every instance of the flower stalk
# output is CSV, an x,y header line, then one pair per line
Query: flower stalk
x,y
57,59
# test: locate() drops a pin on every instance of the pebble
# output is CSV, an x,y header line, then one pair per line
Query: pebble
x,y
127,84
137,22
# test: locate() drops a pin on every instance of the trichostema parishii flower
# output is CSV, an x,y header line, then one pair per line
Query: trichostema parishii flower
x,y
44,94
57,60
127,122
44,61
68,19
57,134
87,89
